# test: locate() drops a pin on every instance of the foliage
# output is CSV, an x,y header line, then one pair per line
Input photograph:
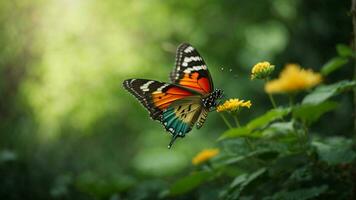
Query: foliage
x,y
279,158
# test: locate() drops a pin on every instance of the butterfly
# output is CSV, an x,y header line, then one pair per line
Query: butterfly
x,y
185,101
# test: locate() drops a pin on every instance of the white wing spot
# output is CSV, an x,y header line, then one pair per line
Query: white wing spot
x,y
193,58
195,68
189,49
190,59
162,87
144,87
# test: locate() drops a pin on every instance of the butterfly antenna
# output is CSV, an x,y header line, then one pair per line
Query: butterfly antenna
x,y
172,141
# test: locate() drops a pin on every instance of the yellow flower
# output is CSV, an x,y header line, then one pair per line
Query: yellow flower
x,y
293,78
262,70
233,105
204,156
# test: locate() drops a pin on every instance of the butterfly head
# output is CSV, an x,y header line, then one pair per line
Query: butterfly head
x,y
211,100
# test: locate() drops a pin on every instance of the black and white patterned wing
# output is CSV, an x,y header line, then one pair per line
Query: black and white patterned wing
x,y
191,71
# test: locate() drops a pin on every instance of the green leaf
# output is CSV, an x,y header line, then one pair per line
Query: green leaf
x,y
190,182
239,180
301,174
311,112
236,159
332,65
258,122
344,50
301,194
278,129
268,117
252,177
287,163
243,180
335,150
324,92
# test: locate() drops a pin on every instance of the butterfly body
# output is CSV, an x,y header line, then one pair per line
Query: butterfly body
x,y
209,100
184,102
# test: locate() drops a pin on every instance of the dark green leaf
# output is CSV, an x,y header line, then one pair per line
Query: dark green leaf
x,y
240,182
190,182
236,146
335,150
311,112
242,157
301,194
324,92
301,174
288,163
344,50
253,176
332,65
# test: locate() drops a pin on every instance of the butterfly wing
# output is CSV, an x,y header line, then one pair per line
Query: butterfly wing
x,y
156,96
191,71
178,105
180,117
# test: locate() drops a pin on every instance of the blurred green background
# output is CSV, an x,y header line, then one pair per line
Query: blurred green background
x,y
68,128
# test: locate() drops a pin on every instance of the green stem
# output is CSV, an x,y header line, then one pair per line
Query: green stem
x,y
306,131
236,121
304,138
272,100
226,121
291,102
271,96
247,140
209,166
